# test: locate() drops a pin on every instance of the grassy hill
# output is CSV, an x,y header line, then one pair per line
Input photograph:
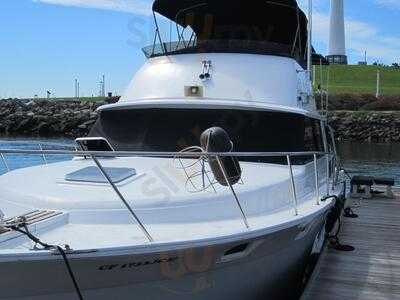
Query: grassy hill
x,y
82,99
358,79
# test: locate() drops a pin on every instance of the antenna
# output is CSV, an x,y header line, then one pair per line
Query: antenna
x,y
309,42
102,87
76,88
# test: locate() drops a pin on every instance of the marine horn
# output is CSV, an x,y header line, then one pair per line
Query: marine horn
x,y
215,140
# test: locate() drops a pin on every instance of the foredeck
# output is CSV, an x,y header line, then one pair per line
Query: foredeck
x,y
372,271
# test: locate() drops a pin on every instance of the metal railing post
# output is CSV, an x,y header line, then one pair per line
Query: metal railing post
x,y
316,178
114,187
43,155
292,184
334,172
5,162
335,158
327,175
221,166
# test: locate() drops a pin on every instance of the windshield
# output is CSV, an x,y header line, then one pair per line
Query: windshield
x,y
172,130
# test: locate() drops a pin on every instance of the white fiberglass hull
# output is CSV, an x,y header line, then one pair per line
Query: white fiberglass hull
x,y
270,267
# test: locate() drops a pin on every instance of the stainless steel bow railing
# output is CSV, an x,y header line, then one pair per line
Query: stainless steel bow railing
x,y
95,155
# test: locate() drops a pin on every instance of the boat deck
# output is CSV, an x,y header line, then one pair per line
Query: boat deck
x,y
372,271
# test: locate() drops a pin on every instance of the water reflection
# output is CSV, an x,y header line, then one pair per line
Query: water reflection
x,y
369,152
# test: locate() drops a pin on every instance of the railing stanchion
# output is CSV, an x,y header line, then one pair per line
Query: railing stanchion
x,y
316,178
43,155
221,166
327,175
5,162
292,184
108,178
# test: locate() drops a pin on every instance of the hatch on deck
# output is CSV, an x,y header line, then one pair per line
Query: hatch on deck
x,y
93,175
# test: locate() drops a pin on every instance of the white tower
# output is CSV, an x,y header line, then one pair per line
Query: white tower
x,y
337,44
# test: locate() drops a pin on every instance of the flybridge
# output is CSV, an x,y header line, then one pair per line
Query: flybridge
x,y
233,26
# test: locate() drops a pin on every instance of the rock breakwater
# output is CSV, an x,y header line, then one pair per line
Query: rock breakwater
x,y
47,118
75,119
366,126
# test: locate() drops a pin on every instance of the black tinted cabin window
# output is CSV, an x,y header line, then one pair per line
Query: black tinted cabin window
x,y
175,129
309,139
319,141
330,142
313,140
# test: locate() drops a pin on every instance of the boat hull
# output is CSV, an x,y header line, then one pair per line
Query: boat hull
x,y
269,266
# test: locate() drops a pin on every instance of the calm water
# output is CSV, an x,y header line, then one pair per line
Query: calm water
x,y
371,159
358,158
16,161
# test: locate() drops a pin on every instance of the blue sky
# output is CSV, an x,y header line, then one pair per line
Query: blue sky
x,y
46,44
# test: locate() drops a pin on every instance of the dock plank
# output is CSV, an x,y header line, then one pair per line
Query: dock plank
x,y
372,271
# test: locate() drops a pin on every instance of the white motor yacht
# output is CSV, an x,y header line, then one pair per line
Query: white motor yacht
x,y
214,177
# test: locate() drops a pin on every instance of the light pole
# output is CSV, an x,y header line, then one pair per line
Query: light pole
x,y
337,34
378,84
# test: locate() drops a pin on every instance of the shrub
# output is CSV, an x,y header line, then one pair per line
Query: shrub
x,y
384,103
355,102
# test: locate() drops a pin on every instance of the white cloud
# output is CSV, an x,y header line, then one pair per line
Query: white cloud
x,y
360,37
389,3
141,7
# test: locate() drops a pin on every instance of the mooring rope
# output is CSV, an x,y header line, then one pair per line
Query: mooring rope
x,y
21,222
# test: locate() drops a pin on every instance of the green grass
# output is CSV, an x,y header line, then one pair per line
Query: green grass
x,y
88,99
358,79
82,99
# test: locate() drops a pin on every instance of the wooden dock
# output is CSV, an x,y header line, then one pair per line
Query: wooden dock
x,y
372,271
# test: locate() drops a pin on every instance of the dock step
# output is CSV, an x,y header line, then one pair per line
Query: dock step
x,y
361,186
